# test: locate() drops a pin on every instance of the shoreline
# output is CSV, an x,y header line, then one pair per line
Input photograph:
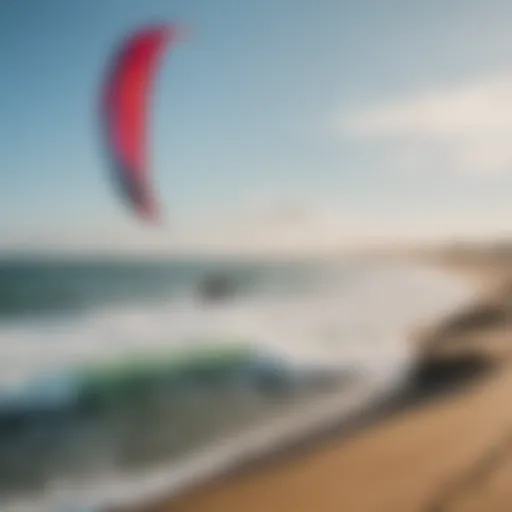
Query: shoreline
x,y
438,378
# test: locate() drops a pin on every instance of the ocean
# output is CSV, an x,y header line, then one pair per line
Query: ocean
x,y
118,381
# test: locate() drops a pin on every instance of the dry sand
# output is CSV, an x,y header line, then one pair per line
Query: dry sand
x,y
446,446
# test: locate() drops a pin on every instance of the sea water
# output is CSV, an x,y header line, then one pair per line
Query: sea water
x,y
303,343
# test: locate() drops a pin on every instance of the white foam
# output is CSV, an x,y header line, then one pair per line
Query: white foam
x,y
365,315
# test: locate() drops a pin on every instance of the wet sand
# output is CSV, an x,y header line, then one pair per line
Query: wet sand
x,y
444,445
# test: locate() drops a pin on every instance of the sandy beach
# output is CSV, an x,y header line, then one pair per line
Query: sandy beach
x,y
445,445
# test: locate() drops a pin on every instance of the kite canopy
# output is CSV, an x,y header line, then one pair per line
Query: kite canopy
x,y
126,100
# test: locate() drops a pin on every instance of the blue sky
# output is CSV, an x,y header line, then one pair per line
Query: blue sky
x,y
367,119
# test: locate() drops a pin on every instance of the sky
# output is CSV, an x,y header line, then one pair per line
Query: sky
x,y
278,125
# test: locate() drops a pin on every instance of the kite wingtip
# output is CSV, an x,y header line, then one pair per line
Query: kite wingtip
x,y
148,211
170,31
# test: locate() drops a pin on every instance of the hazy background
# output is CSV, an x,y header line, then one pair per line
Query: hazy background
x,y
278,126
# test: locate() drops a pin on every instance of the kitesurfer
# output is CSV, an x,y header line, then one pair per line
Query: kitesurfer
x,y
215,288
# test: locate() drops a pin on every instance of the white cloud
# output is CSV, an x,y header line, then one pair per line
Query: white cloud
x,y
464,128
